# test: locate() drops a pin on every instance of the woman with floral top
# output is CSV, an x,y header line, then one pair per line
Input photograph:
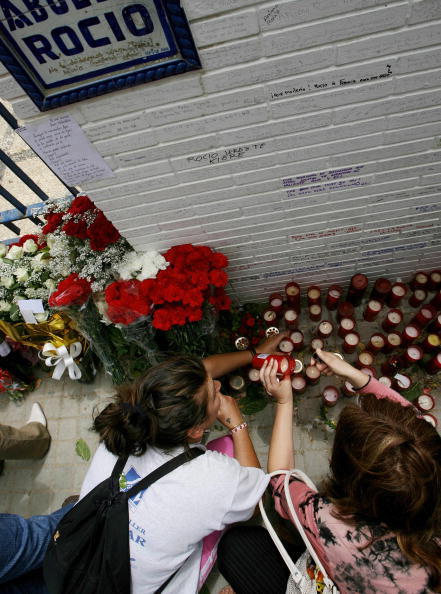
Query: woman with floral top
x,y
376,523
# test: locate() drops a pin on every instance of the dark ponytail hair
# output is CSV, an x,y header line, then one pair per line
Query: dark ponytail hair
x,y
157,410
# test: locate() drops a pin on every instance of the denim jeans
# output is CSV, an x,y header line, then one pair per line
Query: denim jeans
x,y
23,547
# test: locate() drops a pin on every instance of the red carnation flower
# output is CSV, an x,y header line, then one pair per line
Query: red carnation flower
x,y
126,301
102,233
53,221
219,261
218,278
81,204
73,290
192,297
75,229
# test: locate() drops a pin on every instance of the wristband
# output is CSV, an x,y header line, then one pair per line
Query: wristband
x,y
364,386
239,427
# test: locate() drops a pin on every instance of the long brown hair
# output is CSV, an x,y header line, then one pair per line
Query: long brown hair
x,y
157,410
386,468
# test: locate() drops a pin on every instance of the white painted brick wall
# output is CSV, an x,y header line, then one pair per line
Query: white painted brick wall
x,y
307,148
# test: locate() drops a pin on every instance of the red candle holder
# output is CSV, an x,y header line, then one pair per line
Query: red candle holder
x,y
285,364
292,292
254,375
397,293
365,359
276,302
385,380
315,312
436,300
286,345
393,318
417,297
357,287
431,419
431,343
425,402
325,329
346,325
433,365
376,343
345,310
269,316
298,383
333,297
393,341
412,354
434,280
435,325
381,289
312,374
330,395
391,366
372,310
317,343
410,334
401,381
348,390
313,295
291,318
424,316
419,281
351,342
297,339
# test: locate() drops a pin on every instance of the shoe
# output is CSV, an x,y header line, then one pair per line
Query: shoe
x,y
37,415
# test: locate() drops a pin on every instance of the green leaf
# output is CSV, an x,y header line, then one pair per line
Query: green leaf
x,y
251,405
412,392
82,450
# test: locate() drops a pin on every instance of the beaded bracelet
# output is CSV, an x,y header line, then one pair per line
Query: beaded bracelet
x,y
239,427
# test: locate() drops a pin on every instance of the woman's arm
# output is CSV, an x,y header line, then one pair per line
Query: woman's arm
x,y
219,365
281,450
230,416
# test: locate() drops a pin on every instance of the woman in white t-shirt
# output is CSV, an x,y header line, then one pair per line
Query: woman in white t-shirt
x,y
152,421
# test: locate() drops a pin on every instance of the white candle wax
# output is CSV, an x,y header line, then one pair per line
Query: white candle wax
x,y
269,315
426,313
291,315
298,382
330,395
394,317
374,305
420,295
334,293
394,339
421,278
315,309
316,343
347,323
366,358
430,419
351,339
414,353
377,341
386,381
292,290
313,293
253,374
296,337
398,290
411,331
402,380
276,302
286,346
425,402
325,328
312,372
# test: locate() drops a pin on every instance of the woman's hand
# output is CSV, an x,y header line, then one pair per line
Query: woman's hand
x,y
330,364
280,390
269,345
229,413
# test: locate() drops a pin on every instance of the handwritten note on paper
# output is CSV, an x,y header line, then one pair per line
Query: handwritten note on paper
x,y
63,146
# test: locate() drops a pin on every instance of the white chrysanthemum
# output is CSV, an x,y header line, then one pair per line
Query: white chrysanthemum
x,y
15,252
21,274
5,306
30,247
141,265
7,281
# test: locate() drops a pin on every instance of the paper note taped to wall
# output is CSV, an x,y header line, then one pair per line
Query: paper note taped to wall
x,y
63,146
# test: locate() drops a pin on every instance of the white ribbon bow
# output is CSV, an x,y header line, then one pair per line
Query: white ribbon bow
x,y
62,360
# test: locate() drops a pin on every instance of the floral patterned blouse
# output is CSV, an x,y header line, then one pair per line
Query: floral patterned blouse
x,y
378,568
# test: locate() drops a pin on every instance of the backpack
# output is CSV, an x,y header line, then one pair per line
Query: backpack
x,y
89,551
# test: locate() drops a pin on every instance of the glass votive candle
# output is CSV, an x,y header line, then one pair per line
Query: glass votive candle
x,y
386,381
425,402
269,316
348,389
391,366
292,292
313,295
236,382
419,281
434,280
297,339
298,383
372,310
346,325
433,365
312,374
369,370
286,345
330,395
409,334
357,287
364,359
325,329
276,302
242,343
393,341
333,297
393,318
431,419
316,343
315,312
376,343
401,381
417,297
431,343
412,354
424,316
253,375
381,289
350,342
345,310
397,293
436,300
291,318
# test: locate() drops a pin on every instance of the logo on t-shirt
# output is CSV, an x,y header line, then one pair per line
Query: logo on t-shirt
x,y
126,482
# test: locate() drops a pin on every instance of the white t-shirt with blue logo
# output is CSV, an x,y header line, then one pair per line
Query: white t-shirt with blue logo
x,y
168,521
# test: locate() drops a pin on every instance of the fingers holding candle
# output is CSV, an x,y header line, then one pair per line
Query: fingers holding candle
x,y
279,389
